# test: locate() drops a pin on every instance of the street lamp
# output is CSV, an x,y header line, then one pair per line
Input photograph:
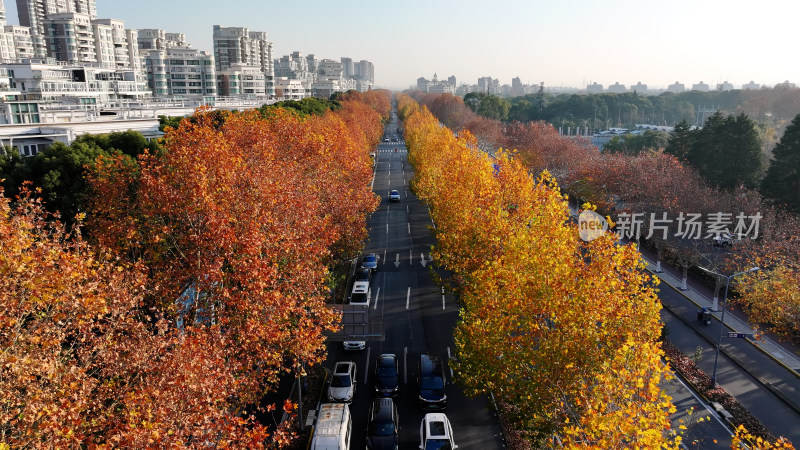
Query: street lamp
x,y
722,319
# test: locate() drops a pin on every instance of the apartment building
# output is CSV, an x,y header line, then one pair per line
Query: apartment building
x,y
50,80
70,38
181,72
241,47
241,80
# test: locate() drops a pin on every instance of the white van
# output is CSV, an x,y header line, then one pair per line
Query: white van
x,y
333,428
361,293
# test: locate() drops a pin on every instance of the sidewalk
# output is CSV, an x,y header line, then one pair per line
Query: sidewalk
x,y
782,379
732,322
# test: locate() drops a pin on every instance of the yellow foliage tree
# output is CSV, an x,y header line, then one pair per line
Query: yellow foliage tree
x,y
565,333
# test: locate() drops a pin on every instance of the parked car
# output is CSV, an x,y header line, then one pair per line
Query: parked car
x,y
333,427
362,274
432,382
361,293
383,425
386,378
370,261
343,382
436,433
394,195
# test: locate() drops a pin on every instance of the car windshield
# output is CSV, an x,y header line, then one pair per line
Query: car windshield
x,y
340,381
395,193
384,428
358,298
437,444
431,383
369,259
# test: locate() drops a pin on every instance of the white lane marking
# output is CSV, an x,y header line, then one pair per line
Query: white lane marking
x,y
406,205
397,260
366,366
405,365
448,362
409,228
442,302
408,298
410,258
387,228
375,306
384,256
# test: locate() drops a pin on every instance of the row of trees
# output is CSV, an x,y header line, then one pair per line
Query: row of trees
x,y
564,333
655,183
203,279
774,107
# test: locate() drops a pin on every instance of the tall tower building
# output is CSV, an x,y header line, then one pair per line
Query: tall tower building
x,y
33,12
2,14
240,46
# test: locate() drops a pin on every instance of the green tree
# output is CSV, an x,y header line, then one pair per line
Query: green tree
x,y
782,181
493,107
633,144
680,141
727,151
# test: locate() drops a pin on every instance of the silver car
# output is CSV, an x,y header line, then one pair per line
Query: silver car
x,y
343,382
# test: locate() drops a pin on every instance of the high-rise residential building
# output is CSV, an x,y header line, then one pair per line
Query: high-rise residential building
x,y
364,70
240,46
182,72
115,45
676,87
3,20
23,42
32,13
71,39
348,69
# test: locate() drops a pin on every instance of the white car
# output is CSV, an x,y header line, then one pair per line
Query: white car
x,y
361,293
394,195
435,433
726,239
343,382
354,345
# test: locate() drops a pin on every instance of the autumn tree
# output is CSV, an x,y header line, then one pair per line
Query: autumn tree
x,y
564,334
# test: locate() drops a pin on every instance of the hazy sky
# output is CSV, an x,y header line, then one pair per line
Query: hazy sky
x,y
562,43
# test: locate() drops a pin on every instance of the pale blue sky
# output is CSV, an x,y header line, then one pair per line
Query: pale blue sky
x,y
569,43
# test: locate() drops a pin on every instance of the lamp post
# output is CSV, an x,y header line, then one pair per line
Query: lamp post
x,y
722,319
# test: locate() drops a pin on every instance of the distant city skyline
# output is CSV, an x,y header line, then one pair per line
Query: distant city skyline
x,y
571,45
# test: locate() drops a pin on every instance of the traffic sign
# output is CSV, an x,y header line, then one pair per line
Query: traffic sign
x,y
737,335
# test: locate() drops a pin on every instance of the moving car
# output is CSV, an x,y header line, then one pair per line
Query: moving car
x,y
343,382
394,195
436,433
354,344
432,382
333,427
386,379
370,261
361,293
383,425
362,274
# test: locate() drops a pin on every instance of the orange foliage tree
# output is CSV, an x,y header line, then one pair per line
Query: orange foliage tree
x,y
235,225
564,333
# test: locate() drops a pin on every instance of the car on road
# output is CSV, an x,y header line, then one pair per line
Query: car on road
x,y
361,293
436,433
383,425
343,382
394,139
432,382
354,344
726,240
386,139
362,274
370,261
386,378
394,195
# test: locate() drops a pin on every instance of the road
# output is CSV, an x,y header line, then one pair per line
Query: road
x,y
416,317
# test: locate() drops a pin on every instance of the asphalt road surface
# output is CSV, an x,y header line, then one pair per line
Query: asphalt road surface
x,y
416,317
